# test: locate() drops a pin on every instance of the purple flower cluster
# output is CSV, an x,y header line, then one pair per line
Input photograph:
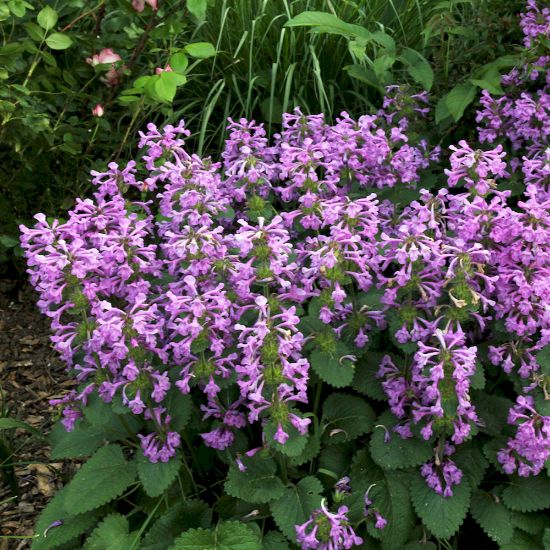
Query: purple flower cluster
x,y
326,530
185,264
183,275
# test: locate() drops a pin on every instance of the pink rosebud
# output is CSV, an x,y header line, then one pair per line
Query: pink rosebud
x,y
107,55
98,110
112,77
166,69
139,5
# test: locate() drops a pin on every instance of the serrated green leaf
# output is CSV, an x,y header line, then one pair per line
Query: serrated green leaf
x,y
492,516
274,540
532,523
396,452
201,50
472,462
492,411
419,546
527,494
331,368
180,407
293,446
72,526
229,535
442,516
365,380
390,495
296,505
543,359
104,477
59,41
114,426
522,541
111,534
190,514
542,405
346,417
156,477
477,380
334,460
258,484
82,441
311,450
47,18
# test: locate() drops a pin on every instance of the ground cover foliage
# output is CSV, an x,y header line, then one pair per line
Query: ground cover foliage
x,y
334,338
80,79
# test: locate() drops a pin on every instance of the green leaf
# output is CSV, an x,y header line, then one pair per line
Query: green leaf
x,y
8,242
455,102
104,477
390,495
10,423
492,516
346,417
327,23
179,62
58,41
527,494
543,359
477,380
546,539
364,75
365,380
542,405
472,462
114,426
381,65
490,81
442,516
202,50
82,441
331,368
532,523
197,8
156,477
229,535
111,534
522,541
189,514
47,18
180,407
397,452
163,87
274,540
258,484
296,505
418,67
71,527
311,450
295,444
492,411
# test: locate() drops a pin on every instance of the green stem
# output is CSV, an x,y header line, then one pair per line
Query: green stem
x,y
317,399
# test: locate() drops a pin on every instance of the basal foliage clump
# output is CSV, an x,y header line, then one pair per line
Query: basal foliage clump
x,y
320,342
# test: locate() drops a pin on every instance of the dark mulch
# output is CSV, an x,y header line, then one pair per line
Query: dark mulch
x,y
30,375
